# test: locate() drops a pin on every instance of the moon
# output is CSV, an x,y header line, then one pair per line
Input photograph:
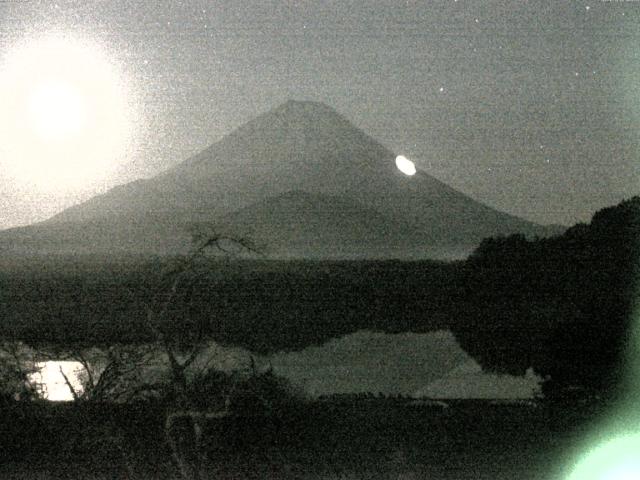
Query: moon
x,y
66,119
57,111
405,165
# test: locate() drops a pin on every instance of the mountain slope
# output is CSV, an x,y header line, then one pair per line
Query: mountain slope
x,y
301,224
243,180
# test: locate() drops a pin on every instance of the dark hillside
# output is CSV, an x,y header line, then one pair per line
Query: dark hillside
x,y
263,306
563,305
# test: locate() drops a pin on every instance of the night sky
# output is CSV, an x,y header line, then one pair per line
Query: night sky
x,y
531,107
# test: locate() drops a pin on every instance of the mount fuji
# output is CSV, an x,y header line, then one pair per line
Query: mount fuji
x,y
301,180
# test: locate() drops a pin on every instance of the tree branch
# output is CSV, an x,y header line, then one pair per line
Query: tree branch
x,y
75,395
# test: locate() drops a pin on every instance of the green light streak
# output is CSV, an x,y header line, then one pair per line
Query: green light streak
x,y
618,459
612,451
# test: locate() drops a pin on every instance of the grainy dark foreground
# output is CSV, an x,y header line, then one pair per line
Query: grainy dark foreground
x,y
355,439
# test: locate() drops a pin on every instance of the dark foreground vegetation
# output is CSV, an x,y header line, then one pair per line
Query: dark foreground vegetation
x,y
378,439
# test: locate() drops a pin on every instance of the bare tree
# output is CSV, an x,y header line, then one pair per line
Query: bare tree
x,y
18,371
184,424
119,376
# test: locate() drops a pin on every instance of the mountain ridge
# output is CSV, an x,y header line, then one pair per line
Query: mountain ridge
x,y
305,147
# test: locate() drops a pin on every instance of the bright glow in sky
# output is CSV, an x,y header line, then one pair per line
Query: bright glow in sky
x,y
53,384
66,120
56,111
405,165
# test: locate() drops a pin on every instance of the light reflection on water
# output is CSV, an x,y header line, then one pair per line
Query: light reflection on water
x,y
51,382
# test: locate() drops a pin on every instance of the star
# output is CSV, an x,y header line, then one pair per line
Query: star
x,y
588,8
442,89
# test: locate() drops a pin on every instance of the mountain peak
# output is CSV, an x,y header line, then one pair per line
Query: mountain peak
x,y
306,106
307,113
322,160
301,132
291,103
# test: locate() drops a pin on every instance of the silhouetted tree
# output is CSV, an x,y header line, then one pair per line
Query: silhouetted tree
x,y
561,305
17,369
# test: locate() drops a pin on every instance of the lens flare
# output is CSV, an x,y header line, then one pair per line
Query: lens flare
x,y
618,459
405,165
